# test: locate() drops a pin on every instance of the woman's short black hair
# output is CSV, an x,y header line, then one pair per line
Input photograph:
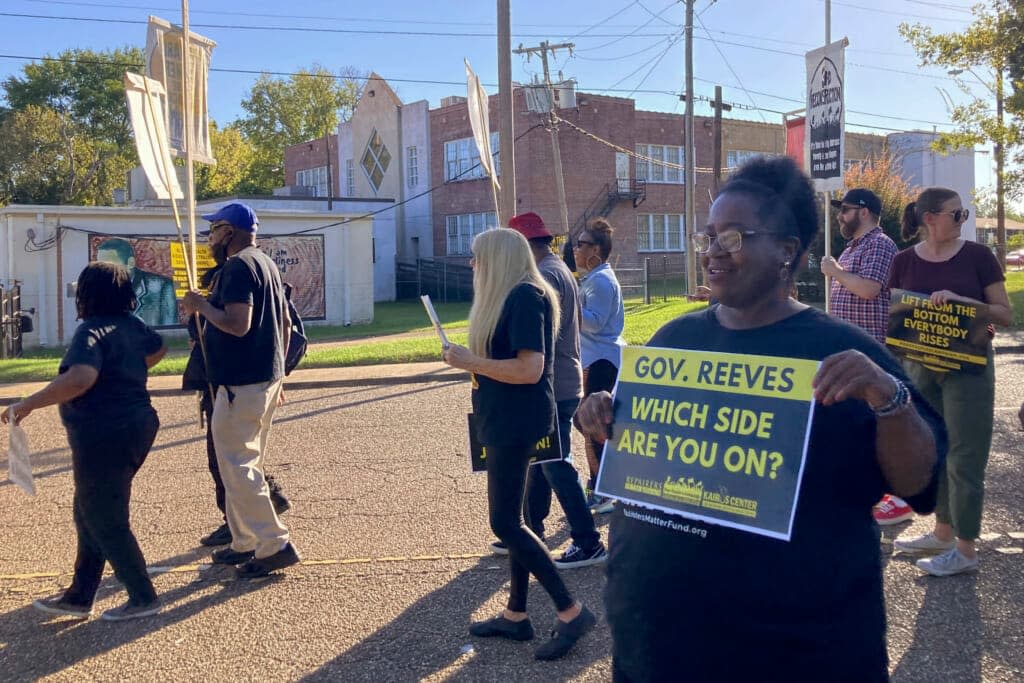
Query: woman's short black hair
x,y
104,289
785,196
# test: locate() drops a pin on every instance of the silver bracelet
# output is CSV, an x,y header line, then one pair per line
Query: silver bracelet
x,y
899,401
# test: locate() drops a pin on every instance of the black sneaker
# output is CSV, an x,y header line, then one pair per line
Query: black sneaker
x,y
220,536
500,627
565,635
131,611
575,557
255,568
58,605
229,556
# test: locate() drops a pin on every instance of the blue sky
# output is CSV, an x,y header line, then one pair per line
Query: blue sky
x,y
627,48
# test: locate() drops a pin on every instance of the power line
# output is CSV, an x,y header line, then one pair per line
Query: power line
x,y
731,70
655,60
632,33
608,18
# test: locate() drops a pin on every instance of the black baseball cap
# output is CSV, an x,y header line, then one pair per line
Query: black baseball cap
x,y
860,197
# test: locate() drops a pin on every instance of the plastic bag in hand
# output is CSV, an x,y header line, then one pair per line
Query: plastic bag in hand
x,y
19,467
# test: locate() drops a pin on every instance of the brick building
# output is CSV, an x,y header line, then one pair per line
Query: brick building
x,y
314,165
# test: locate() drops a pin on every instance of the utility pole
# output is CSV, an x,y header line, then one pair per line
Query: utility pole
x,y
506,133
826,205
691,173
556,152
719,108
190,183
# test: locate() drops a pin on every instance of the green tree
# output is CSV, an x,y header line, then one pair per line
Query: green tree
x,y
985,51
282,112
233,172
66,135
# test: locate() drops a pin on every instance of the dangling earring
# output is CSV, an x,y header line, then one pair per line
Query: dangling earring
x,y
784,273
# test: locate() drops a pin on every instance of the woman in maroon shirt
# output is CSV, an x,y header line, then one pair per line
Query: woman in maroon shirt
x,y
950,268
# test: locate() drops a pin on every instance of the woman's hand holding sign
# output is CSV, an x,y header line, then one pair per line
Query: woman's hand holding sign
x,y
851,374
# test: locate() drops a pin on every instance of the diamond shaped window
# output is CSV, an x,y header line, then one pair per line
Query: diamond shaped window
x,y
376,160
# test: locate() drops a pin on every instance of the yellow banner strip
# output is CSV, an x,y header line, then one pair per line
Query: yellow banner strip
x,y
941,353
730,373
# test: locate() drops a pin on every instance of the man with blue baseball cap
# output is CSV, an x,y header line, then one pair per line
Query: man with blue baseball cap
x,y
246,335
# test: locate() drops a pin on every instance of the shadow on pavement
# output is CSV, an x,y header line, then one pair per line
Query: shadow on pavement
x,y
426,640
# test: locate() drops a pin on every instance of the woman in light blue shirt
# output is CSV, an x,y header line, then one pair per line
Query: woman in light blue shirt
x,y
601,321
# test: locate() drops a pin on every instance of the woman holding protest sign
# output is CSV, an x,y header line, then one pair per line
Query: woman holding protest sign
x,y
951,269
511,356
105,408
689,598
602,318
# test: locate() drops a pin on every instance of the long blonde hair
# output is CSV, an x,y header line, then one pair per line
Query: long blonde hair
x,y
503,260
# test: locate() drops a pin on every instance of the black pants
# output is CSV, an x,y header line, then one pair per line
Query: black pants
x,y
206,405
105,460
506,483
599,376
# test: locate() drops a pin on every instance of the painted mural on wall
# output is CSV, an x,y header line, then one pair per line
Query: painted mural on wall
x,y
148,259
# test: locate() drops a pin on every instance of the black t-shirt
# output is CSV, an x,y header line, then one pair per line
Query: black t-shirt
x,y
117,347
518,414
688,600
248,277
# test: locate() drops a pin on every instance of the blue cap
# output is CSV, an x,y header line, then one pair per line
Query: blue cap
x,y
238,215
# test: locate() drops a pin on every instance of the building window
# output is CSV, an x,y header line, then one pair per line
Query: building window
x,y
660,232
734,158
412,167
462,160
463,228
350,178
655,171
375,161
315,178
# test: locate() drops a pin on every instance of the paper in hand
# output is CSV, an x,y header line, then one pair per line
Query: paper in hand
x,y
19,467
434,319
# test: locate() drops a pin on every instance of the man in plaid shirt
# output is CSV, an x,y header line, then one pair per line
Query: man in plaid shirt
x,y
860,293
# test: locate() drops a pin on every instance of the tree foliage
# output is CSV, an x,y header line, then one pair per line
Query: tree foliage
x,y
985,52
282,112
65,134
883,176
232,175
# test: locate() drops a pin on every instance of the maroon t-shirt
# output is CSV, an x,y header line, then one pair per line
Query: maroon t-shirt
x,y
968,273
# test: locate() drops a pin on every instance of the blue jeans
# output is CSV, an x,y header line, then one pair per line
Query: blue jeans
x,y
562,477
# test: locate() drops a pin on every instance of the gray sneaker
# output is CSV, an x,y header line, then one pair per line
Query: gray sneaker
x,y
923,545
58,605
131,611
948,563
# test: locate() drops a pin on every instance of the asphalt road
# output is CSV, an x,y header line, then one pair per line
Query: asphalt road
x,y
392,528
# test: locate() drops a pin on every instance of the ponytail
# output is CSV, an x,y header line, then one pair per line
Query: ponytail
x,y
910,226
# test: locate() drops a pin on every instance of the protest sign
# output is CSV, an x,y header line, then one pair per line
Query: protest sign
x,y
953,336
547,449
179,272
432,314
719,437
824,140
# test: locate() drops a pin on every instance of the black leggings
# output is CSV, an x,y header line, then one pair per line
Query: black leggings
x,y
506,483
598,376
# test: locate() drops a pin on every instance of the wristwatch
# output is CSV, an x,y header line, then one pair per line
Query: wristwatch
x,y
899,400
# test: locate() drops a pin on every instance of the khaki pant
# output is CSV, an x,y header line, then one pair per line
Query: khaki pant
x,y
242,417
965,401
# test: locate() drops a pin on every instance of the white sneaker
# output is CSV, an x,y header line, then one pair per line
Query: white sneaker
x,y
948,563
923,545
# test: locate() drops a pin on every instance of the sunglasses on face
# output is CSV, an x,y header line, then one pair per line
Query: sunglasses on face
x,y
729,241
579,244
217,226
845,208
959,215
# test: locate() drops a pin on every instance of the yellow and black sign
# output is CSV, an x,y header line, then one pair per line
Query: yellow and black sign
x,y
953,336
719,437
547,449
179,271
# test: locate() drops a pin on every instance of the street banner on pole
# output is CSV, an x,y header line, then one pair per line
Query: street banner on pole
x,y
824,143
164,64
146,106
479,120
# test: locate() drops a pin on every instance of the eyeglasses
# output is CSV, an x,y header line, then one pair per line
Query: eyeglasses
x,y
579,244
730,241
846,207
958,215
217,226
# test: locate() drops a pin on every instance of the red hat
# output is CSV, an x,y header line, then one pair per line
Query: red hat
x,y
529,225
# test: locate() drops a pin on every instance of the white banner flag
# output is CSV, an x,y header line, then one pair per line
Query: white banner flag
x,y
479,120
146,102
824,139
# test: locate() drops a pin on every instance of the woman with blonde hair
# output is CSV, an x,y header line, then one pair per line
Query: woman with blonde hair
x,y
511,357
950,268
